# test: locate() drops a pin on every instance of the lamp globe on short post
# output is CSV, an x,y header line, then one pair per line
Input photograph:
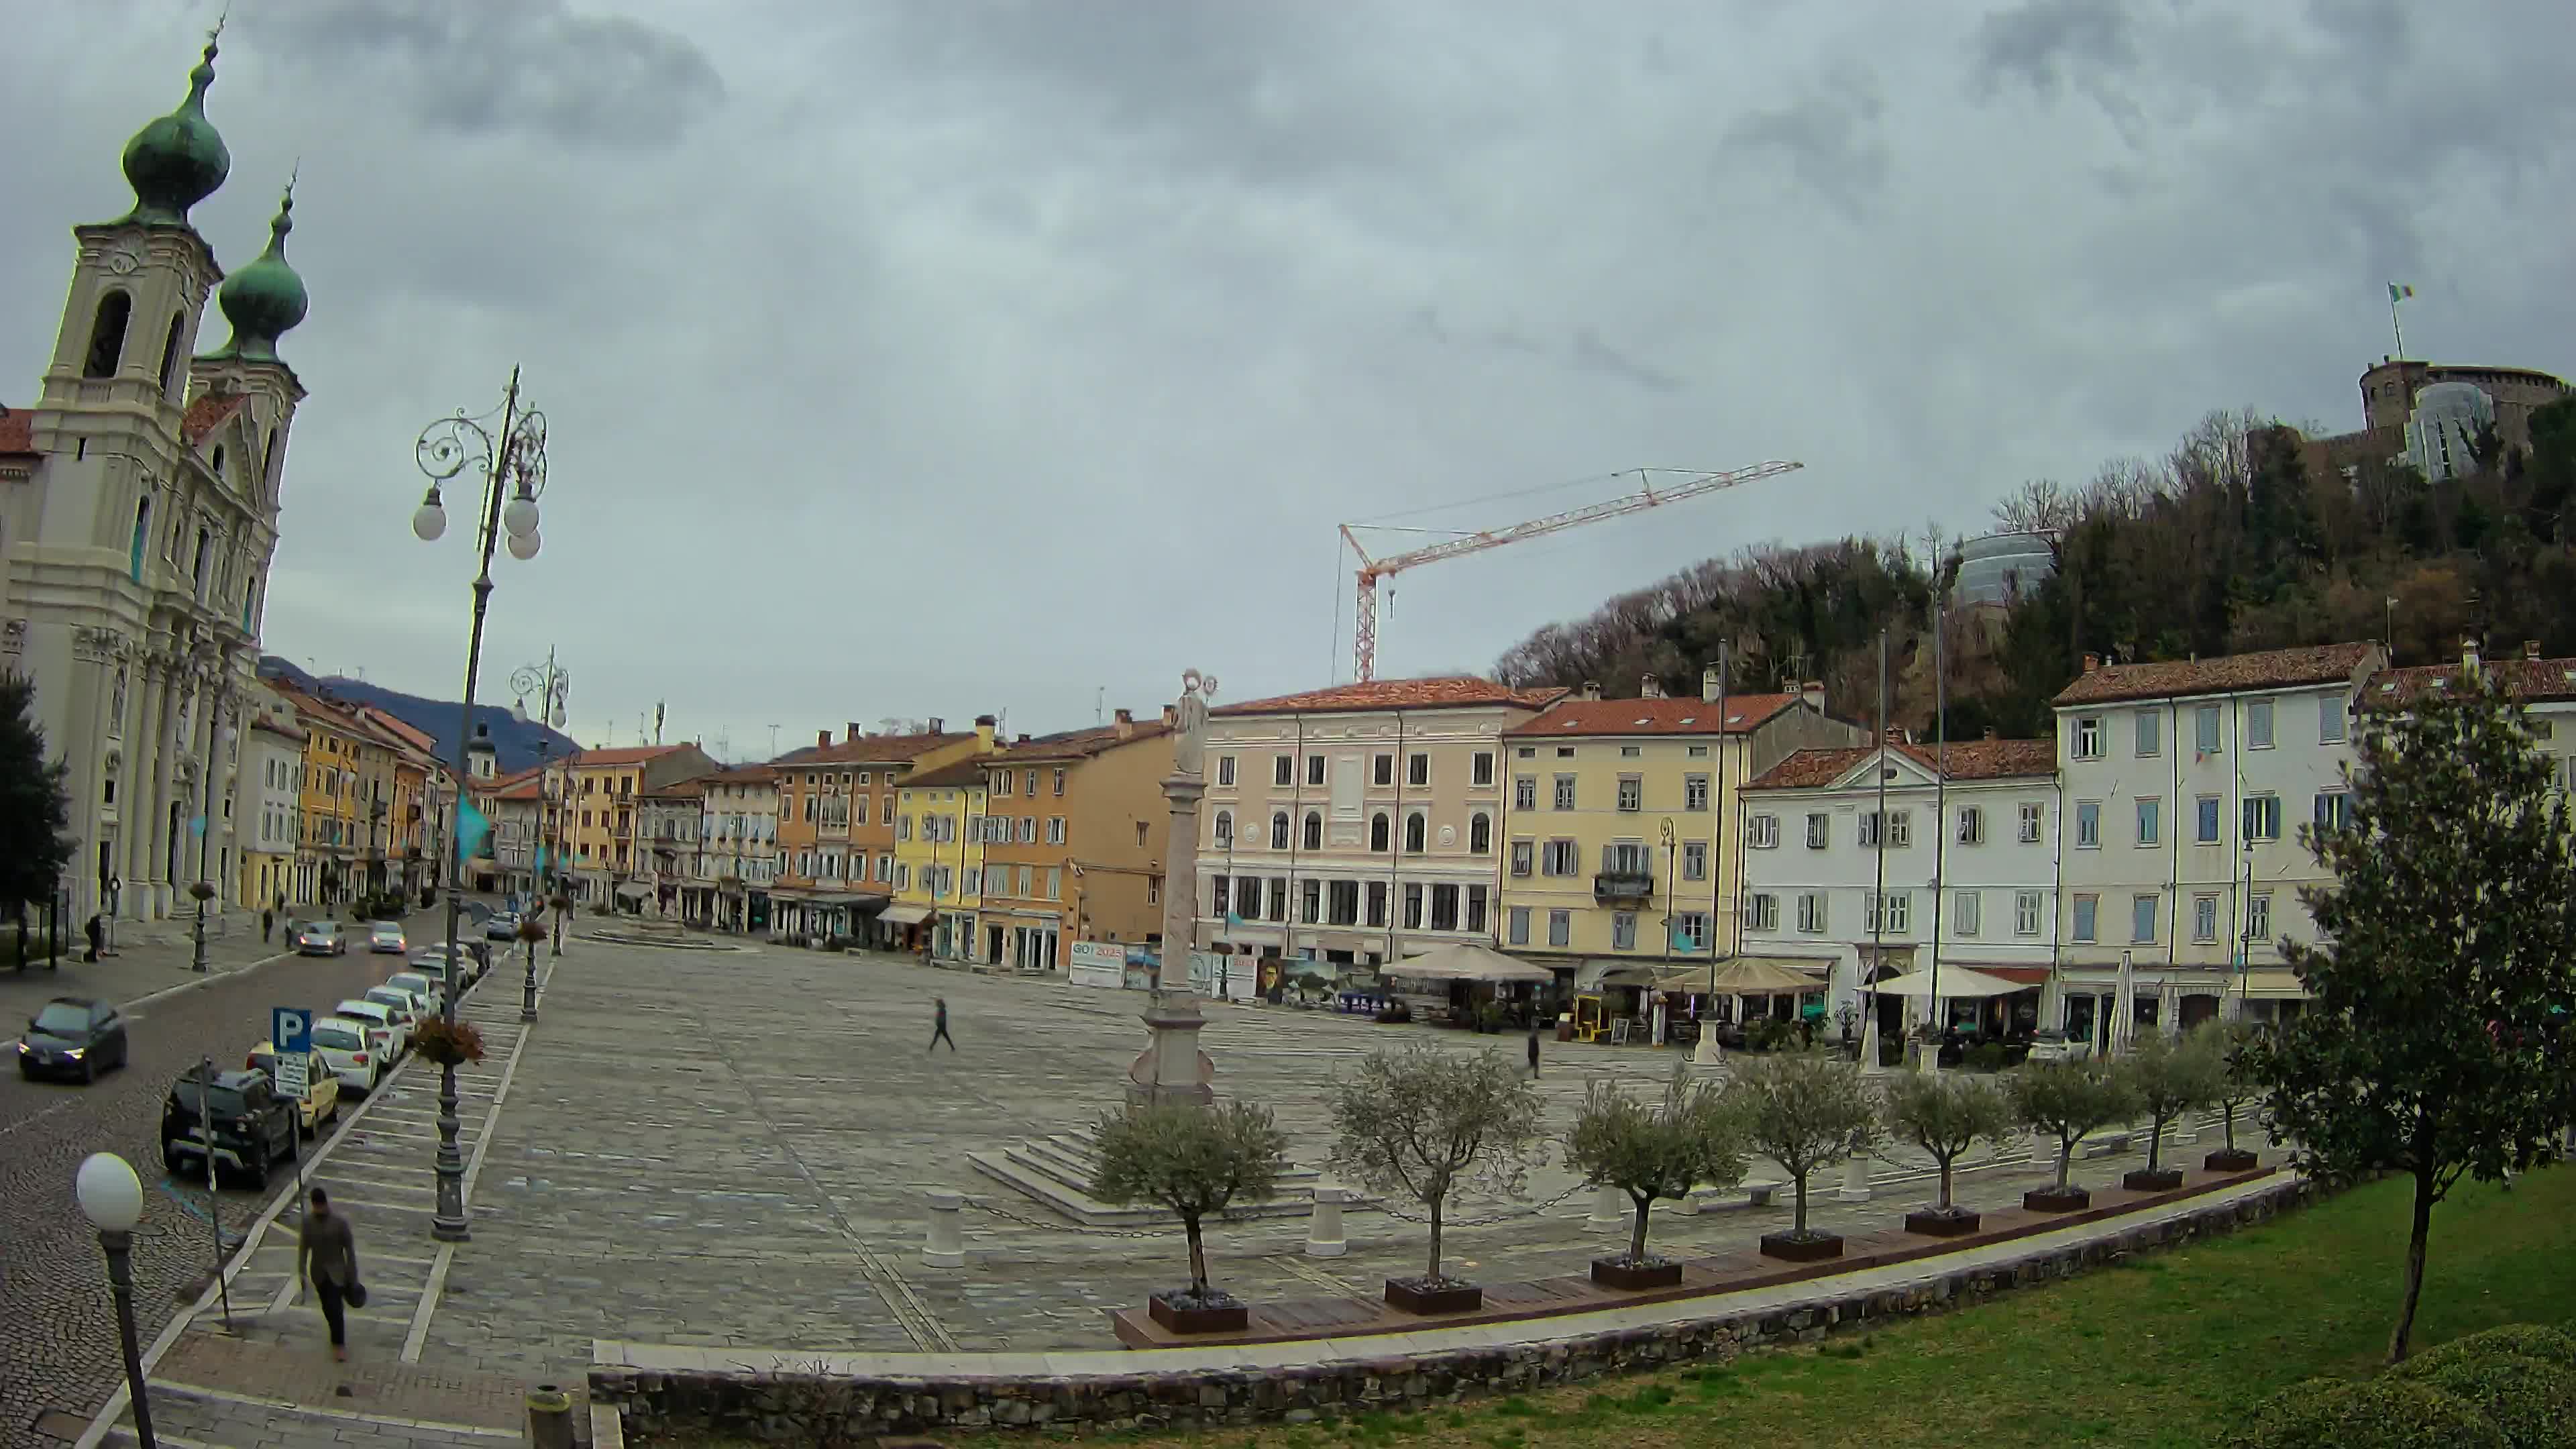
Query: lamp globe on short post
x,y
111,1197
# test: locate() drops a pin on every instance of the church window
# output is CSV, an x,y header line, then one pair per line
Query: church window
x,y
170,352
142,531
107,335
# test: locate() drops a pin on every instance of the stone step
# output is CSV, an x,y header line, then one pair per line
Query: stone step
x,y
185,1417
1073,1201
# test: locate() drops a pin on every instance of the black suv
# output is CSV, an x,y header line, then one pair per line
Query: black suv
x,y
254,1126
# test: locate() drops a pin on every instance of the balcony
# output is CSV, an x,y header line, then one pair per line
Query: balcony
x,y
1623,885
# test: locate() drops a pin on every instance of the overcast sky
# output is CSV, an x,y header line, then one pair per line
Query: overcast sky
x,y
931,358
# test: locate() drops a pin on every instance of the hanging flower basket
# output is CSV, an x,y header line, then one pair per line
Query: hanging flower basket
x,y
448,1043
532,930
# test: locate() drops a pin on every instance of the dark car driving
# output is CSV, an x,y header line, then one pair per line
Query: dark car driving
x,y
72,1036
254,1127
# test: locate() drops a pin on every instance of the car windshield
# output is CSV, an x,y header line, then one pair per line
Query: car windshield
x,y
387,996
62,1018
221,1101
411,981
362,1010
322,928
338,1039
387,928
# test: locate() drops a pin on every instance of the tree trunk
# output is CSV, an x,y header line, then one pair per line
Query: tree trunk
x,y
1198,1256
2065,1161
1944,1204
1433,1203
2155,1141
1637,1234
1800,1224
2227,1123
2420,1230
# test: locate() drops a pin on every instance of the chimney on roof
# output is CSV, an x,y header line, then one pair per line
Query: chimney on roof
x,y
1649,687
2531,649
935,726
855,731
1711,685
985,724
1591,690
1124,723
2469,653
1024,739
2092,662
823,739
1813,692
1171,715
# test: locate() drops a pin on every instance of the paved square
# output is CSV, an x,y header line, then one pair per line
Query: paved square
x,y
729,1149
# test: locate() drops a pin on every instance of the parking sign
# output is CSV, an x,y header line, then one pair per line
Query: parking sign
x,y
290,1030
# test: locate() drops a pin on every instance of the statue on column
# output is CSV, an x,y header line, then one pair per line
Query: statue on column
x,y
1189,746
1172,1068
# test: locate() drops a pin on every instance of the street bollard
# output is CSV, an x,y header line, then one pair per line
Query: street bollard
x,y
1324,1230
1609,1208
549,1418
946,1246
1855,1186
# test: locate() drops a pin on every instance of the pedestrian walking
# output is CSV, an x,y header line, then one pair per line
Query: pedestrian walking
x,y
1533,1051
939,1028
267,922
97,934
326,1255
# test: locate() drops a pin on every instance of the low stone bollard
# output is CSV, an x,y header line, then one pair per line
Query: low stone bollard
x,y
1609,1208
1324,1230
946,1245
549,1418
1855,1186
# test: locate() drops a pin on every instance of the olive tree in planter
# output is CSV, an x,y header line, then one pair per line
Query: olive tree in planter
x,y
1945,1114
2069,1101
1805,1112
1649,1152
2169,1078
2235,1087
1422,1121
1192,1161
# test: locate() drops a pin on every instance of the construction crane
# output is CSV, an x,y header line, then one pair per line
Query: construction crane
x,y
1364,625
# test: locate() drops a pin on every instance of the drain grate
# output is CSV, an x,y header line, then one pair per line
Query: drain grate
x,y
60,1424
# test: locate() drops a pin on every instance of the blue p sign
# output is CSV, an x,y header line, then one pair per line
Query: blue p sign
x,y
290,1029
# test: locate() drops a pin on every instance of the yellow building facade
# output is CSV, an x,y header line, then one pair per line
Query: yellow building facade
x,y
1622,828
328,794
939,859
598,815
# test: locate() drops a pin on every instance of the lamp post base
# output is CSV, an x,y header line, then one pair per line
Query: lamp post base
x,y
448,1223
118,1247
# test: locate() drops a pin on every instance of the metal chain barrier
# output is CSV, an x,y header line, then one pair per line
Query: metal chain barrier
x,y
1518,1212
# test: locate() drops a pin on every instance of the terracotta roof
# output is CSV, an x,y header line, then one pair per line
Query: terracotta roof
x,y
276,728
966,774
525,787
621,755
1692,716
1456,691
17,430
743,775
400,729
869,749
1967,759
2227,674
694,786
330,712
208,413
2529,681
1079,744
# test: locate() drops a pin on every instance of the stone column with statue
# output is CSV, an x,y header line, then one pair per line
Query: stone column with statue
x,y
1172,1068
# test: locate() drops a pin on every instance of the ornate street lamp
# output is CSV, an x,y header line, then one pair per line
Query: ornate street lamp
x,y
553,688
509,450
217,735
111,1197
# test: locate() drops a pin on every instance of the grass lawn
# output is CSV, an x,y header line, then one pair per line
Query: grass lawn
x,y
2161,1352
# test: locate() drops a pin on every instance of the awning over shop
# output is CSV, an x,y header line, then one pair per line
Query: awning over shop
x,y
1466,962
634,890
2024,976
2274,986
1956,981
905,915
1599,971
1748,976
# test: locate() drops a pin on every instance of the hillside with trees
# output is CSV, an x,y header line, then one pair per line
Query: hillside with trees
x,y
2228,543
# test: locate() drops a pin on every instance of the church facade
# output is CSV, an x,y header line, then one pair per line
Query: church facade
x,y
139,499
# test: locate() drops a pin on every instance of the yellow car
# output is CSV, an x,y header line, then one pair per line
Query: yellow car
x,y
322,1090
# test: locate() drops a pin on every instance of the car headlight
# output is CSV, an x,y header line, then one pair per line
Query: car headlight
x,y
25,1050
76,1053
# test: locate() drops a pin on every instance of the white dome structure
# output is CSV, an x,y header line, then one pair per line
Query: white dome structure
x,y
2002,568
2442,433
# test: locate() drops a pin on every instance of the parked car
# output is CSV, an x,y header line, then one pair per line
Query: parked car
x,y
320,938
503,926
357,1059
407,1009
476,958
252,1126
72,1036
424,985
321,1091
385,1028
421,1004
385,938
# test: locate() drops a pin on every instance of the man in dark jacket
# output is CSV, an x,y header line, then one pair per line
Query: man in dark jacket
x,y
326,1256
939,1030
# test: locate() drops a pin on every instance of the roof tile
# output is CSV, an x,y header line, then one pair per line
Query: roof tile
x,y
208,413
2527,681
1454,691
869,749
2227,674
1685,716
1967,760
17,431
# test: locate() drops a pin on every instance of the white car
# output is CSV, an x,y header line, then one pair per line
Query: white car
x,y
408,1009
424,985
432,958
388,1026
354,1057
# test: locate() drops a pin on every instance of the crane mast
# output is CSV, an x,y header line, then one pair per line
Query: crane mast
x,y
1364,623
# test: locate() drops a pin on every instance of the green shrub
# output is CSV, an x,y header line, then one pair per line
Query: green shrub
x,y
2526,1397
1986,1057
2519,1340
2388,1412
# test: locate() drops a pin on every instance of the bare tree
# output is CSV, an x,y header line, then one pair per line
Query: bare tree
x,y
1423,1121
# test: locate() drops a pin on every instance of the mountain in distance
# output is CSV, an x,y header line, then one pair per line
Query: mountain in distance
x,y
516,745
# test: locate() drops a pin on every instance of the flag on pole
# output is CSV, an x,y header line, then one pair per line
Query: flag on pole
x,y
2399,292
471,827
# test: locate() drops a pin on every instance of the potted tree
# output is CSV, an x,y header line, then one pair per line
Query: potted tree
x,y
1650,1152
1423,1121
2235,1087
1945,1115
2069,1101
2169,1079
1805,1113
1192,1161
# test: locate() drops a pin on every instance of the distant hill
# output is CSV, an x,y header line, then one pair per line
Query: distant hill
x,y
516,744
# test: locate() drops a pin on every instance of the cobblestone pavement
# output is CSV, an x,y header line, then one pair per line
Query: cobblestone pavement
x,y
730,1150
57,1327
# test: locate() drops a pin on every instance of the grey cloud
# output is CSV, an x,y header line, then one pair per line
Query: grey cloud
x,y
480,66
1830,139
1585,351
2039,42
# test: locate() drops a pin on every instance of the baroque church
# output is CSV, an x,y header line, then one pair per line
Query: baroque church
x,y
138,519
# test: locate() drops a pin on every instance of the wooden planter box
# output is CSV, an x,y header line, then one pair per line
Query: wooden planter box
x,y
2050,1200
1933,1223
1632,1278
2231,1159
2163,1179
1412,1297
1227,1318
1790,1249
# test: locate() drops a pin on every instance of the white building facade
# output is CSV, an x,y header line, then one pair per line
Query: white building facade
x,y
1960,869
738,855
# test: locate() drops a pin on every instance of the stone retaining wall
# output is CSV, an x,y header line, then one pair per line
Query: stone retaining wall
x,y
818,1408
